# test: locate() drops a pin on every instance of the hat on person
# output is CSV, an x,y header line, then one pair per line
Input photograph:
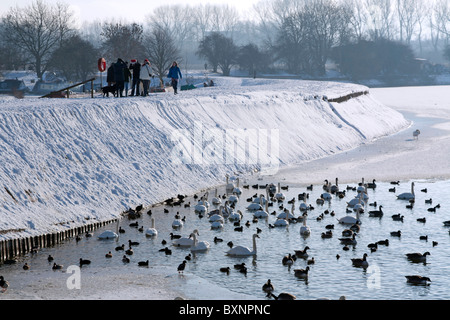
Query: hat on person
x,y
133,60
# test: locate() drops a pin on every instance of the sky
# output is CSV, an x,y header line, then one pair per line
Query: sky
x,y
131,10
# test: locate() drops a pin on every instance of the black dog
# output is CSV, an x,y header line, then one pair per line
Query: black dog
x,y
106,90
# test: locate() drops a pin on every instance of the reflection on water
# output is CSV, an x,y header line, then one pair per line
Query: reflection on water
x,y
331,275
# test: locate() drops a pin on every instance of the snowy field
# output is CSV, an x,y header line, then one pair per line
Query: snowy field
x,y
66,162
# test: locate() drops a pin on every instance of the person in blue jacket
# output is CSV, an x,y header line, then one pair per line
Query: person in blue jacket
x,y
174,74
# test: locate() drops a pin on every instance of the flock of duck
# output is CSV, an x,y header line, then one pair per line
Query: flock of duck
x,y
222,208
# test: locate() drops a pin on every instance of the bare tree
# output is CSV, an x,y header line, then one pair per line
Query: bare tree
x,y
161,50
38,30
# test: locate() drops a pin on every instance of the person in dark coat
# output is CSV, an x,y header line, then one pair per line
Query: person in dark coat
x,y
174,74
119,76
110,75
135,67
127,77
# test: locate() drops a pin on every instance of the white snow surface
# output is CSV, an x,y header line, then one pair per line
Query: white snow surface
x,y
67,162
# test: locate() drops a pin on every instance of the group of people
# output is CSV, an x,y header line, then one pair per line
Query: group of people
x,y
120,74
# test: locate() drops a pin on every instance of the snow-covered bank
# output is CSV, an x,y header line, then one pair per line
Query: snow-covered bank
x,y
66,162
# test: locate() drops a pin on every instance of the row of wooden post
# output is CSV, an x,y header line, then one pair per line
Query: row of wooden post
x,y
13,248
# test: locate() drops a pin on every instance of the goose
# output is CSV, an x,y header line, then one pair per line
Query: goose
x,y
301,273
282,296
372,185
152,232
57,266
199,246
302,253
143,263
358,262
181,267
349,241
3,284
84,262
243,251
287,260
347,233
268,287
304,229
415,279
334,188
407,195
434,208
417,257
376,213
185,242
125,259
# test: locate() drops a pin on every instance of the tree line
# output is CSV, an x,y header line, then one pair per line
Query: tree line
x,y
364,38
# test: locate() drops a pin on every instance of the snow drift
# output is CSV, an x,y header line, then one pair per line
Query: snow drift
x,y
66,162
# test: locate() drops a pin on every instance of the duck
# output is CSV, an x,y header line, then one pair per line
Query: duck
x,y
423,220
415,279
282,296
152,232
3,284
188,257
347,233
199,246
416,134
108,255
372,185
383,242
311,261
84,262
217,240
225,270
396,233
181,267
129,251
302,273
268,287
166,250
397,217
57,266
302,253
50,258
239,266
417,257
243,251
26,266
327,235
119,248
125,259
423,238
143,263
133,243
407,195
358,262
121,230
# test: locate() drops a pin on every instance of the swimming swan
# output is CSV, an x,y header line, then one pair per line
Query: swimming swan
x,y
241,251
407,195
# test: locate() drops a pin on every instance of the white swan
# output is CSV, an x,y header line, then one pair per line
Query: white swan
x,y
217,225
235,216
151,232
237,190
185,242
200,208
350,219
240,251
199,246
327,195
216,200
304,229
108,234
233,199
229,186
407,195
279,196
262,213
